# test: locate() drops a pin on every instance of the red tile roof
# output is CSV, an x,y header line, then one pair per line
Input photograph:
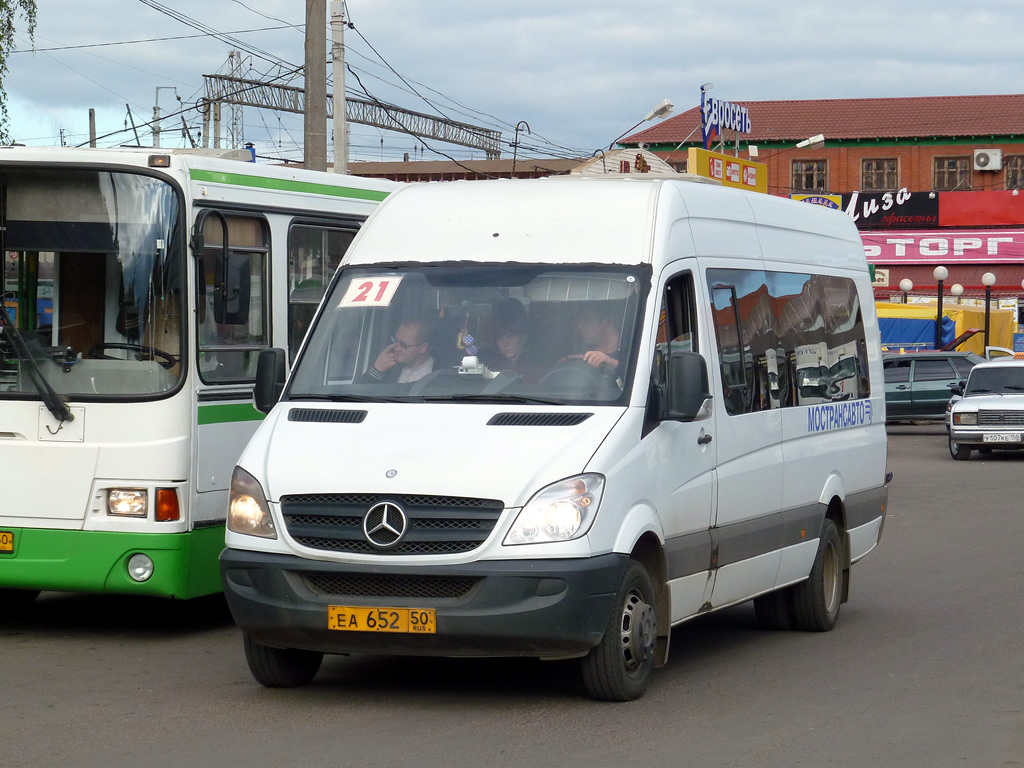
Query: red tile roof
x,y
917,117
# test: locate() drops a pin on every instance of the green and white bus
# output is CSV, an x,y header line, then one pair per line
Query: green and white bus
x,y
139,287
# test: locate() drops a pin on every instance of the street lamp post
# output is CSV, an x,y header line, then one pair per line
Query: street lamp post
x,y
906,285
956,290
988,280
662,109
940,274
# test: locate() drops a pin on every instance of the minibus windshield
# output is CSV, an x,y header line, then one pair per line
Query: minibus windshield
x,y
474,332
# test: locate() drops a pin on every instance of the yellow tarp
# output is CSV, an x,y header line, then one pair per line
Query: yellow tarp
x,y
1002,322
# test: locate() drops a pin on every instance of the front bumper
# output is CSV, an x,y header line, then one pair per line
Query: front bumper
x,y
542,608
980,437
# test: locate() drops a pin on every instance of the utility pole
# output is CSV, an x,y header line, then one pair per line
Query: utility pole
x,y
338,70
92,127
315,123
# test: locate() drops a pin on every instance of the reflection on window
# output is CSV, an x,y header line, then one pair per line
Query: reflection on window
x,y
787,339
314,253
233,298
92,281
491,331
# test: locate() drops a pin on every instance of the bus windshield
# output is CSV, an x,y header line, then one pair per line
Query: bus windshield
x,y
92,283
527,333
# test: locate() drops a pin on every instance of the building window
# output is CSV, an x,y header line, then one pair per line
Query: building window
x,y
952,173
810,176
678,166
879,174
1015,172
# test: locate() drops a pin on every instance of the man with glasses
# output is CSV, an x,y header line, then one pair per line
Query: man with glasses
x,y
407,358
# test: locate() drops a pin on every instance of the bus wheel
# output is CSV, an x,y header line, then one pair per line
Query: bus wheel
x,y
619,668
280,667
775,610
959,451
14,602
816,601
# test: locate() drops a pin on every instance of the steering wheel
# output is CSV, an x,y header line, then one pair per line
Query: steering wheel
x,y
576,375
167,360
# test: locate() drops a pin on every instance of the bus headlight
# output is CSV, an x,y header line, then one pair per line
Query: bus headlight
x,y
966,418
248,511
128,502
564,510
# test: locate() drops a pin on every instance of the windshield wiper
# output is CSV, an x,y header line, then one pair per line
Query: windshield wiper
x,y
493,398
57,407
292,396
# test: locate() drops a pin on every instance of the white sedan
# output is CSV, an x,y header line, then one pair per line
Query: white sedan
x,y
990,413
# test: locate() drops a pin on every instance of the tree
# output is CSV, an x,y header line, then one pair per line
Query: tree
x,y
8,10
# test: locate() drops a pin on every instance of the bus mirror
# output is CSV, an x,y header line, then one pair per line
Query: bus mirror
x,y
231,298
270,375
688,390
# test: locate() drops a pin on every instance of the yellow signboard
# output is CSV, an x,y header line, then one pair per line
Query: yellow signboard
x,y
731,171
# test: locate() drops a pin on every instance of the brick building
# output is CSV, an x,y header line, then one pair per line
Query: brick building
x,y
932,181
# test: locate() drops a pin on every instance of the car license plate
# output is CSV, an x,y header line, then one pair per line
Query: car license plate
x,y
1003,437
362,619
6,541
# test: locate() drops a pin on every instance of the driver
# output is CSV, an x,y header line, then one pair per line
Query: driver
x,y
600,336
407,358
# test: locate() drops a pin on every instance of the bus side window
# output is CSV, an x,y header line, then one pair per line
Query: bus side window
x,y
233,300
314,253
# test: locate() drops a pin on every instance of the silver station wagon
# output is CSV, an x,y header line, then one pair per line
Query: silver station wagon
x,y
990,414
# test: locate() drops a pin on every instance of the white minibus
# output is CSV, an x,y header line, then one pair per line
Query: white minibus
x,y
556,418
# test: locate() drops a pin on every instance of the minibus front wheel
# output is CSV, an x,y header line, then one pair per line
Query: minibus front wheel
x,y
280,667
619,667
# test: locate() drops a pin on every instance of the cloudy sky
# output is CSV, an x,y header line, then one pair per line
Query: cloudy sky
x,y
580,73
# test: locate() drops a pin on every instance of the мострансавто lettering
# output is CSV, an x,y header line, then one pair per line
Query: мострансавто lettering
x,y
821,418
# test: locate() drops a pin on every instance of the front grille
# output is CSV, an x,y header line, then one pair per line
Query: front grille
x,y
1001,418
415,587
437,525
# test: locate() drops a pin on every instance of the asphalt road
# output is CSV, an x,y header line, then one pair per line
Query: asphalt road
x,y
925,668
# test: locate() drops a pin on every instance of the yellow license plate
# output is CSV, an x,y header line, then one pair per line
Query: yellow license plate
x,y
6,541
362,619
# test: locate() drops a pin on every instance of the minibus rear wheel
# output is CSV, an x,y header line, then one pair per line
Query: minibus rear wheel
x,y
619,667
816,601
280,667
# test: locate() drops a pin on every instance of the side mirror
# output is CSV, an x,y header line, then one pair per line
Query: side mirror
x,y
271,370
956,389
688,392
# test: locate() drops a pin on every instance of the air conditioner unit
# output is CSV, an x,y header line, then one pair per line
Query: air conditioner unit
x,y
988,159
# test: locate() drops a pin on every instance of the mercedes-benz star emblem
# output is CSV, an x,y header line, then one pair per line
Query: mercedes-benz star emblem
x,y
385,524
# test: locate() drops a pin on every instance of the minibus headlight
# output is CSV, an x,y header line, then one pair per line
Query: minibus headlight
x,y
128,502
965,418
560,512
248,511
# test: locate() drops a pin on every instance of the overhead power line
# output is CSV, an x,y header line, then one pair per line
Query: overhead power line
x,y
286,98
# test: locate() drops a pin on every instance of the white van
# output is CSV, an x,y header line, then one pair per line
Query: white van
x,y
556,418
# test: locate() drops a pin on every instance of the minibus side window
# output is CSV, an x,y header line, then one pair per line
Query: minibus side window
x,y
677,326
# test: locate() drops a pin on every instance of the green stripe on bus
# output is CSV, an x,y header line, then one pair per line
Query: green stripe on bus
x,y
222,414
287,185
